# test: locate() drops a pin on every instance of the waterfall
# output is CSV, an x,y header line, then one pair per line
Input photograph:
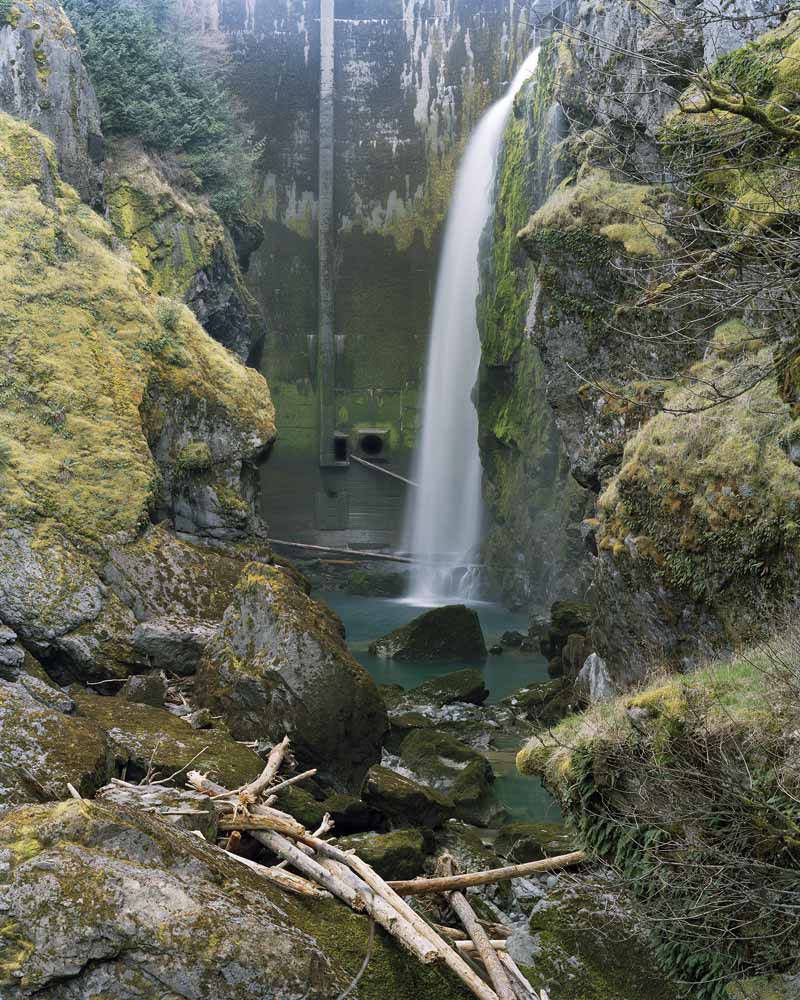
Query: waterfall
x,y
444,514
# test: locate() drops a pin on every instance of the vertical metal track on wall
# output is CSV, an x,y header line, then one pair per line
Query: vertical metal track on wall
x,y
326,342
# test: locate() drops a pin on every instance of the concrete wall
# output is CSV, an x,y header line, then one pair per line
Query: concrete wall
x,y
410,79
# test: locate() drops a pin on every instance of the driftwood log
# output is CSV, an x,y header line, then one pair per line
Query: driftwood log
x,y
321,868
422,886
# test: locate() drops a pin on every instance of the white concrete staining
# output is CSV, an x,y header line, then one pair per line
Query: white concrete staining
x,y
303,30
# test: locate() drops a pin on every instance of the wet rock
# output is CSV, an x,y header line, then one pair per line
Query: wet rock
x,y
567,618
350,814
146,689
397,855
473,854
102,900
42,748
573,655
153,738
496,649
174,644
179,807
455,770
404,801
522,842
593,683
765,988
512,639
401,725
449,633
279,666
448,689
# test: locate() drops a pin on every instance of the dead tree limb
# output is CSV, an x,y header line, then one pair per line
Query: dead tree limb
x,y
421,886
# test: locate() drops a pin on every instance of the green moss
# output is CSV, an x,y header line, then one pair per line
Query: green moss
x,y
85,341
9,14
193,458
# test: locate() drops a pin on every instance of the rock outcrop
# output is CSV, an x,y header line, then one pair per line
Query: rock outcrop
x,y
182,245
43,81
279,665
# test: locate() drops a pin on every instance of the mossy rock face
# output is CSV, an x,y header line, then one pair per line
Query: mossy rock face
x,y
454,770
279,665
403,801
42,747
521,842
449,633
146,736
401,725
473,854
397,855
117,903
181,245
586,951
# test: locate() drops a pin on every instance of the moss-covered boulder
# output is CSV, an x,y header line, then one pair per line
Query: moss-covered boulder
x,y
42,747
454,770
449,633
447,689
279,665
545,703
587,950
521,842
403,801
765,988
103,901
400,854
146,737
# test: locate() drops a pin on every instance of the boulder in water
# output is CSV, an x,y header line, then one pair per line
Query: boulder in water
x,y
449,689
449,633
523,842
397,855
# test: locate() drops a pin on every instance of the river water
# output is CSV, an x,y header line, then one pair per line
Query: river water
x,y
368,618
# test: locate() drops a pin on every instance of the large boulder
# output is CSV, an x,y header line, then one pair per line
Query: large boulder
x,y
454,770
449,689
397,855
521,842
449,633
103,901
279,666
403,801
147,738
42,748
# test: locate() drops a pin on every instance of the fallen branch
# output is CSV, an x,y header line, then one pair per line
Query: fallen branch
x,y
421,886
292,781
522,987
479,937
468,946
249,793
448,955
264,818
283,879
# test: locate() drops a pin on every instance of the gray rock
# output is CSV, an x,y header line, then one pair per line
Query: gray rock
x,y
42,748
453,770
12,655
593,682
174,644
146,689
43,80
279,666
180,807
111,901
152,739
448,689
404,801
400,854
449,633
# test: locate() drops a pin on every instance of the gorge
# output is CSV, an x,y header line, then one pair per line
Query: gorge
x,y
399,402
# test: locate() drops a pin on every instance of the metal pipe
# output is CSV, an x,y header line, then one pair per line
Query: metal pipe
x,y
386,472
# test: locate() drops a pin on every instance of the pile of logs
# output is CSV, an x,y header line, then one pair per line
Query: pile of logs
x,y
320,868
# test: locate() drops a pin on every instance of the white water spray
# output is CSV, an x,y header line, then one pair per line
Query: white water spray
x,y
443,518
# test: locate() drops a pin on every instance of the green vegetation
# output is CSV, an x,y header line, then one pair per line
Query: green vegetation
x,y
151,85
75,399
688,789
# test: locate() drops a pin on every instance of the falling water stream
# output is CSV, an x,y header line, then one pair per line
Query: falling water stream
x,y
443,519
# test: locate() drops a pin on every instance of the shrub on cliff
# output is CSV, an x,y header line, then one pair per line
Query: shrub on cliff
x,y
689,791
150,84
